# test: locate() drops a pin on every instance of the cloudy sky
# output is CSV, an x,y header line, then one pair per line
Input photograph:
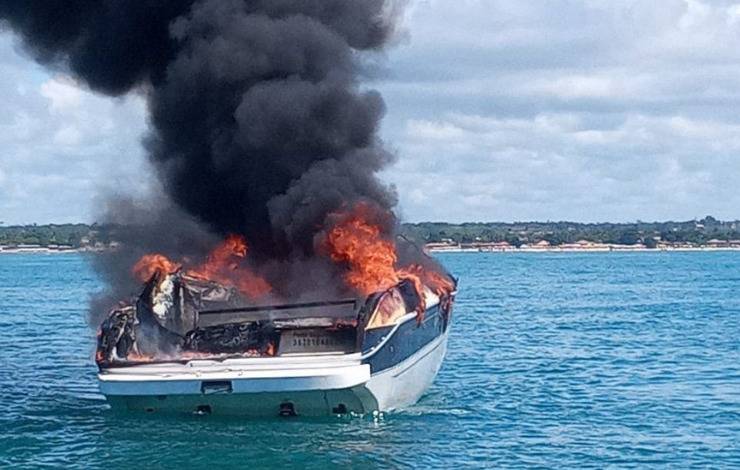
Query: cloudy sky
x,y
586,110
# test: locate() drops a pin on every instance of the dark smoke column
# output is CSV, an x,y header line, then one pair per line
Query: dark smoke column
x,y
257,123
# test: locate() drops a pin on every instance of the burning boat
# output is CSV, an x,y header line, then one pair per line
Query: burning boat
x,y
190,343
260,125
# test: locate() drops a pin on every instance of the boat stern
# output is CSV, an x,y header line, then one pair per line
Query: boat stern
x,y
308,386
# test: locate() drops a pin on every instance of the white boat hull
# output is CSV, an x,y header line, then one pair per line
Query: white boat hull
x,y
311,385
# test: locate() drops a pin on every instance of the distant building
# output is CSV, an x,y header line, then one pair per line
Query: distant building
x,y
441,246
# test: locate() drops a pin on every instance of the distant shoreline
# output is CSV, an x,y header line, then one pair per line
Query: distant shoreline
x,y
581,250
46,251
521,237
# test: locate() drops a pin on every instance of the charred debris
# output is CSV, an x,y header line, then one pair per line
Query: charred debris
x,y
178,318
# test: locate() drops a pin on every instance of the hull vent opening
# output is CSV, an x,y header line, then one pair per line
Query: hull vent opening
x,y
216,387
287,410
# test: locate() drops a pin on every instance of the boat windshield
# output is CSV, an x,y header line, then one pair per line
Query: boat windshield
x,y
390,308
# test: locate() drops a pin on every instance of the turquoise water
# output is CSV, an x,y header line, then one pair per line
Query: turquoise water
x,y
555,360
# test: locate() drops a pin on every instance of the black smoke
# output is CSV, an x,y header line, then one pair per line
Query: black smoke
x,y
258,125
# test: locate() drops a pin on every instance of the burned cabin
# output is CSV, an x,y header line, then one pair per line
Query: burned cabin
x,y
179,317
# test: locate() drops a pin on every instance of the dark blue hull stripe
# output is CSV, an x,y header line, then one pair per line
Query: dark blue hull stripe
x,y
408,339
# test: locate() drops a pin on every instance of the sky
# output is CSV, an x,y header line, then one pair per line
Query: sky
x,y
498,110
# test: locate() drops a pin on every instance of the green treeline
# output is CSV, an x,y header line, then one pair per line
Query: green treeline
x,y
73,235
698,232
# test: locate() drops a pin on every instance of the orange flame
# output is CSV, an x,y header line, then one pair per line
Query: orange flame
x,y
222,265
439,283
371,259
148,265
138,357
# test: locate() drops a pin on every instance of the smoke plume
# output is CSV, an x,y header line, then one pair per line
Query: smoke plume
x,y
258,124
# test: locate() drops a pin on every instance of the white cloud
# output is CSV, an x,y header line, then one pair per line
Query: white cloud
x,y
62,145
554,166
733,15
68,135
62,92
577,109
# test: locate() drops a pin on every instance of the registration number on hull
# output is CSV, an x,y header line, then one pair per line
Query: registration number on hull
x,y
316,341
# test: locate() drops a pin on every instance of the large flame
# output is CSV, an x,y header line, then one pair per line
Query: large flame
x,y
371,258
222,265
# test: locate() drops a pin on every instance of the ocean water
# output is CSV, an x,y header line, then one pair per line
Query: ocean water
x,y
555,360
